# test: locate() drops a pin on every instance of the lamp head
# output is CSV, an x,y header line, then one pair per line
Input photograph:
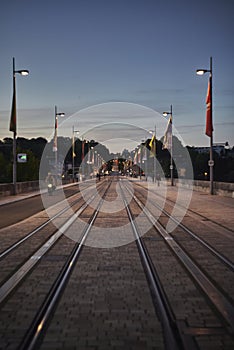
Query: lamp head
x,y
22,72
165,114
201,71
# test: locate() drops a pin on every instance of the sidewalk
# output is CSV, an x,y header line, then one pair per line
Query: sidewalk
x,y
21,196
213,208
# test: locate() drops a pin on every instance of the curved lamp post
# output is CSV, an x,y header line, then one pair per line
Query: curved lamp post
x,y
55,146
210,132
73,151
13,124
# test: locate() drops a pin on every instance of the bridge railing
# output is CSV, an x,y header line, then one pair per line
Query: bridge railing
x,y
7,189
220,188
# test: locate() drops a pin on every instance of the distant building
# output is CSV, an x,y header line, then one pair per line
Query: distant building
x,y
220,148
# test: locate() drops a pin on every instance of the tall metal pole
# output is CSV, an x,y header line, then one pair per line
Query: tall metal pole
x,y
73,154
56,136
14,139
209,121
140,160
82,157
211,163
155,150
13,124
171,166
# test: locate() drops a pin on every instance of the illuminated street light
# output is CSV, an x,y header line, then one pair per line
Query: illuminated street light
x,y
22,72
13,124
55,146
201,71
211,162
73,152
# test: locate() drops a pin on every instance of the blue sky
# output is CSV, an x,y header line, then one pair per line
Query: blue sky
x,y
86,52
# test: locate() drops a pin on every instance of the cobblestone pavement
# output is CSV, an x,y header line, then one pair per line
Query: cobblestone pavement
x,y
107,302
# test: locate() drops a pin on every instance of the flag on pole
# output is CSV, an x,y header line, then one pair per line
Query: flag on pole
x,y
144,153
139,155
209,125
152,146
135,158
55,143
89,157
13,112
167,140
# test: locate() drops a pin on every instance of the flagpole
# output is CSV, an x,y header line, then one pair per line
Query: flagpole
x,y
73,152
155,153
73,156
55,135
56,115
13,124
14,136
140,160
168,143
171,166
211,162
209,122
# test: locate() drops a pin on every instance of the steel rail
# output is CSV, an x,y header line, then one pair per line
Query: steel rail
x,y
172,335
30,234
13,281
222,305
40,322
190,210
218,255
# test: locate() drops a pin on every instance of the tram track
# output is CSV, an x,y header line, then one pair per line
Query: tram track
x,y
203,240
221,302
21,266
74,295
18,252
207,250
173,338
58,213
114,312
41,319
23,278
191,212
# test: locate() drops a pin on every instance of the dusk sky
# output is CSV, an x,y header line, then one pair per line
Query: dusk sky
x,y
82,53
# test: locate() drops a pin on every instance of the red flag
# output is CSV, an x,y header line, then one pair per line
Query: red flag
x,y
13,112
209,125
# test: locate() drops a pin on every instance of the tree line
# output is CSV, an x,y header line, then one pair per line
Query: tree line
x,y
34,149
223,168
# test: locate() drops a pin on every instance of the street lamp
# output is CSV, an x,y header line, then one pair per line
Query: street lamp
x,y
169,135
73,152
209,123
13,126
55,146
